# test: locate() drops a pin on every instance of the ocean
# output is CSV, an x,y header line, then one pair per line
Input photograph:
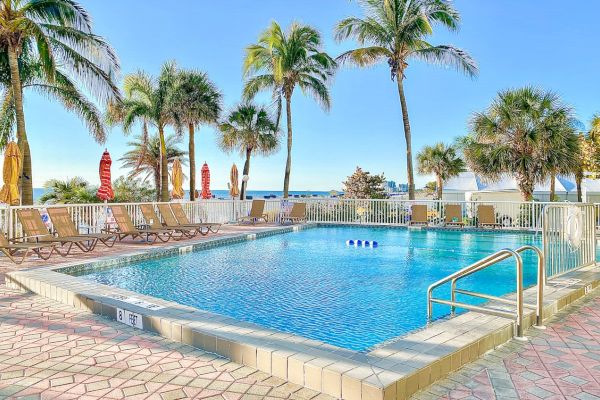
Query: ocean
x,y
224,194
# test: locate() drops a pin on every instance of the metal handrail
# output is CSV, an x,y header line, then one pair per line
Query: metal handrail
x,y
482,264
540,284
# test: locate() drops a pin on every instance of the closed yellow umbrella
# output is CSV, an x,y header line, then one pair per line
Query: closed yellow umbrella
x,y
177,179
234,190
13,163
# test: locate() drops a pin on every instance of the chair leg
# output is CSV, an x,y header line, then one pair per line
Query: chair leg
x,y
10,254
43,256
109,242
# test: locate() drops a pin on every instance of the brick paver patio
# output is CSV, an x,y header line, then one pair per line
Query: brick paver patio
x,y
53,351
561,362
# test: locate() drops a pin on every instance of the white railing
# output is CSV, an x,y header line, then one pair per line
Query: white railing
x,y
569,237
516,215
513,215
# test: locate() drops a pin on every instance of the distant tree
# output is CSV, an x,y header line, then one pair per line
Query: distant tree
x,y
397,32
362,185
132,190
430,187
442,161
196,101
589,144
71,191
249,129
527,133
147,102
144,159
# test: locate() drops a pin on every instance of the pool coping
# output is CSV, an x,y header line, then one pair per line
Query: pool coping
x,y
395,370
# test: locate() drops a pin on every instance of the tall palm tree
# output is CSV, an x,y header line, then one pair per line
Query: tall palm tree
x,y
196,100
249,129
147,102
282,61
525,132
396,31
60,32
442,161
61,89
145,157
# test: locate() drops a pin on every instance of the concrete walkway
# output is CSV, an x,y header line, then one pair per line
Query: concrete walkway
x,y
52,351
561,362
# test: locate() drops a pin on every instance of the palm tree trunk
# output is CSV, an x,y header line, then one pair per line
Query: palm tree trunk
x,y
246,171
407,137
26,174
552,186
157,184
439,188
578,181
164,167
288,163
192,156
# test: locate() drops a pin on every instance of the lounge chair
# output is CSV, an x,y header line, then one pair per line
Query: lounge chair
x,y
153,221
10,250
127,228
296,215
454,215
183,220
169,218
35,231
486,217
64,226
418,215
256,212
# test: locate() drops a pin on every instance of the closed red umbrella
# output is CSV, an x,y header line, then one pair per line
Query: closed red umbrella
x,y
205,172
105,192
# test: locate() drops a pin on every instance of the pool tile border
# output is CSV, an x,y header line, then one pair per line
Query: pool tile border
x,y
396,370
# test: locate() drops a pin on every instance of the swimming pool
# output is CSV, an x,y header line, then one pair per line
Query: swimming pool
x,y
312,284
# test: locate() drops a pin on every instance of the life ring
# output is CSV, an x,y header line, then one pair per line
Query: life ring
x,y
574,227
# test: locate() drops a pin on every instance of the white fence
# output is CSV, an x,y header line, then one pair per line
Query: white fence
x,y
513,215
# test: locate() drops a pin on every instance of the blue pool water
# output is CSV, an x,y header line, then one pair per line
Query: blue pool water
x,y
310,283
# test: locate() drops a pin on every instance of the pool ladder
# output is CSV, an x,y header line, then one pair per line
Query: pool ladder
x,y
482,264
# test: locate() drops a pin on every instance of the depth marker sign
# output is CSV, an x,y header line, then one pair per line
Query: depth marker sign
x,y
130,318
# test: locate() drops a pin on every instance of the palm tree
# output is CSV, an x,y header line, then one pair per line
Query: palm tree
x,y
145,158
442,161
589,143
61,89
71,191
196,100
396,31
60,33
249,129
525,132
280,62
147,102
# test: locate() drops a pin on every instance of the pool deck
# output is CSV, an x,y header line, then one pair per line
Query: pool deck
x,y
395,370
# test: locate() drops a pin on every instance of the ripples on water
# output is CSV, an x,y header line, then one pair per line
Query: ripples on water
x,y
310,283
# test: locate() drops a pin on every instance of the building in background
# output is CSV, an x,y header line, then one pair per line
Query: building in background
x,y
390,187
470,187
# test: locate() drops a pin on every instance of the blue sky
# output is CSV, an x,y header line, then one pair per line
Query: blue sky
x,y
515,43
